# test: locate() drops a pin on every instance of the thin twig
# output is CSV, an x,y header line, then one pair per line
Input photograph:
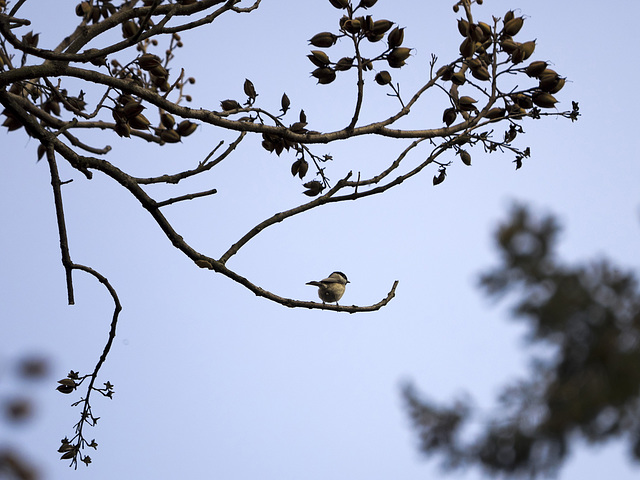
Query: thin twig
x,y
189,196
62,227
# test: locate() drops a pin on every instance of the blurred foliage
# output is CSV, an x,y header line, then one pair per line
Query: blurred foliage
x,y
586,387
17,409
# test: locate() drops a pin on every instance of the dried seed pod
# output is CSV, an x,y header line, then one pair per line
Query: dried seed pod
x,y
374,37
473,62
228,105
131,109
397,56
468,47
465,157
123,129
30,39
169,136
381,26
396,37
439,178
95,14
298,127
383,78
517,56
186,128
161,83
463,27
449,116
508,45
445,72
67,382
167,120
83,9
323,40
249,89
324,75
352,26
285,103
544,100
508,17
66,390
314,187
549,80
495,113
299,167
528,48
522,100
476,33
41,151
558,86
513,26
367,23
536,68
339,3
304,168
344,64
486,30
139,122
159,71
458,78
516,112
53,107
481,73
319,58
129,29
466,103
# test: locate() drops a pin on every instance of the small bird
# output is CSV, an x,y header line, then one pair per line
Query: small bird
x,y
331,288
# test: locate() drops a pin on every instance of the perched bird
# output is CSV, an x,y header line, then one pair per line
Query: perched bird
x,y
331,288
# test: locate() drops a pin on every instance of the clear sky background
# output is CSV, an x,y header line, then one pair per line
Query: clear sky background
x,y
213,382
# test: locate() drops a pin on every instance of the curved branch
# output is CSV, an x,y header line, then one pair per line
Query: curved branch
x,y
279,217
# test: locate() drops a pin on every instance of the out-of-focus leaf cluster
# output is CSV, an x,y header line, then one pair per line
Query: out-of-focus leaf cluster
x,y
589,387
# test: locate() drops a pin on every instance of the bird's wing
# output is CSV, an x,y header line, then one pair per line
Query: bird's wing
x,y
330,280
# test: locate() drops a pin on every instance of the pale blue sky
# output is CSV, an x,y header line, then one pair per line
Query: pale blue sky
x,y
213,382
